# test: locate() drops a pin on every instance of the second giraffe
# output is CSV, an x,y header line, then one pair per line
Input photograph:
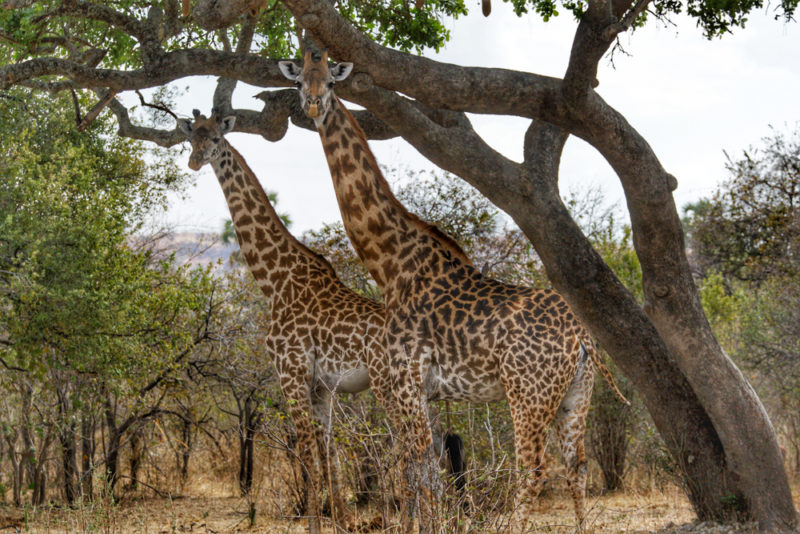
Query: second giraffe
x,y
450,332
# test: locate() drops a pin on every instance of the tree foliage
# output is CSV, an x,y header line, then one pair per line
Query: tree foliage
x,y
92,323
750,229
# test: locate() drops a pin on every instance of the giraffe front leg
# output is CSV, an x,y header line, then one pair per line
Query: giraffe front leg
x,y
340,513
422,475
299,401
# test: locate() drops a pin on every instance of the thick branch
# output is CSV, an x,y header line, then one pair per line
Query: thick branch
x,y
212,15
446,138
165,138
95,111
103,13
225,86
167,67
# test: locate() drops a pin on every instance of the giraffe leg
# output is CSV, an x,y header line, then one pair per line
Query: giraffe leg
x,y
530,439
422,474
321,404
570,428
382,388
297,393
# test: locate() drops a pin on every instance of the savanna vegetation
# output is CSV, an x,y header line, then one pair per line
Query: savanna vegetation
x,y
121,368
129,376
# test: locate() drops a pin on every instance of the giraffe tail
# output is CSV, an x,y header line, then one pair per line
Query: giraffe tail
x,y
590,350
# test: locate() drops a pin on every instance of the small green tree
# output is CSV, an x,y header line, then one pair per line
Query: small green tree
x,y
87,318
750,228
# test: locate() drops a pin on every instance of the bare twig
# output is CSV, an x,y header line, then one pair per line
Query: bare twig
x,y
160,107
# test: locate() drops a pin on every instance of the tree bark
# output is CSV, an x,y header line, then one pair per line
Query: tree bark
x,y
69,447
186,453
87,457
135,460
16,467
112,448
246,444
69,450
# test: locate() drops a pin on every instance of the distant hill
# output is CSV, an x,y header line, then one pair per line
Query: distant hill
x,y
195,248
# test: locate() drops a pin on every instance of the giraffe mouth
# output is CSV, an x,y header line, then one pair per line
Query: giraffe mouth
x,y
313,111
195,163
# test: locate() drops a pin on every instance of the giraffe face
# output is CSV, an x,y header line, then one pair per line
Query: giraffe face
x,y
315,83
206,137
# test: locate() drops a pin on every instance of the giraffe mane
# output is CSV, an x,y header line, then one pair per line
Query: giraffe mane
x,y
431,229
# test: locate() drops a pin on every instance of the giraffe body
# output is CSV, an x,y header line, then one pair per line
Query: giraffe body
x,y
451,333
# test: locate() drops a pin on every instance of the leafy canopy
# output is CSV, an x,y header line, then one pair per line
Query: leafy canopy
x,y
75,293
51,28
750,229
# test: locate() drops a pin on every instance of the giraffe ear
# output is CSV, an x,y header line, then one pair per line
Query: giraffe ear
x,y
341,71
289,69
226,124
185,125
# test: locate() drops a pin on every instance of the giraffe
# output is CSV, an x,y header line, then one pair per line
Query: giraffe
x,y
325,338
450,332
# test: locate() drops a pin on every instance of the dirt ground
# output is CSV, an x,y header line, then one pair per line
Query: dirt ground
x,y
666,512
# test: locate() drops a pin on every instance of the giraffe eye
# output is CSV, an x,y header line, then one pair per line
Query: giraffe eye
x,y
216,139
297,83
331,84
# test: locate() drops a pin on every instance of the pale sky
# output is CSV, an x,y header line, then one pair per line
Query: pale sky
x,y
690,98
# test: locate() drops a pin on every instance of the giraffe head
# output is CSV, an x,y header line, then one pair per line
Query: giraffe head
x,y
315,82
205,136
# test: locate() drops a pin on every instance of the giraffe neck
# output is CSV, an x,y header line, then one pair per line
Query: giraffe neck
x,y
273,255
392,242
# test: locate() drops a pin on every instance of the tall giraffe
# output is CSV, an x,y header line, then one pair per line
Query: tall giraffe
x,y
451,333
324,337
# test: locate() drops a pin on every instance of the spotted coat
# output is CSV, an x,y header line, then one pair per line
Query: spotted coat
x,y
451,333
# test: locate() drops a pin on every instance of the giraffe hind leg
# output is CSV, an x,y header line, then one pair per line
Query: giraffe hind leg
x,y
570,429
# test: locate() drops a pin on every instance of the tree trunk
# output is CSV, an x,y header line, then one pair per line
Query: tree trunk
x,y
87,457
33,462
705,452
69,447
16,467
186,453
112,448
246,442
135,460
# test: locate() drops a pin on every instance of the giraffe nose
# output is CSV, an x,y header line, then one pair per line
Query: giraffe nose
x,y
313,106
195,163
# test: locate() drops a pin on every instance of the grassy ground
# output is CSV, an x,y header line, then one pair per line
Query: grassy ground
x,y
209,504
616,513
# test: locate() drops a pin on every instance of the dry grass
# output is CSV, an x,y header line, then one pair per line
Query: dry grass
x,y
615,513
209,504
